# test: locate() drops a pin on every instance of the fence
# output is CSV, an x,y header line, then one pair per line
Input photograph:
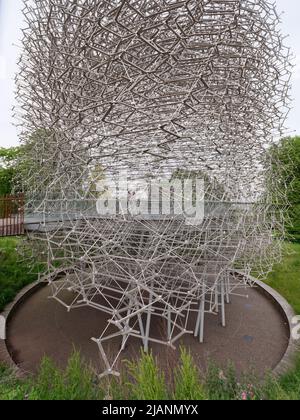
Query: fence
x,y
12,215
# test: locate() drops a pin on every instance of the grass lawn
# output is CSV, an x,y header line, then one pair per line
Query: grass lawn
x,y
14,273
143,379
285,277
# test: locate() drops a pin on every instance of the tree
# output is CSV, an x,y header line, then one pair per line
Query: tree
x,y
286,170
8,168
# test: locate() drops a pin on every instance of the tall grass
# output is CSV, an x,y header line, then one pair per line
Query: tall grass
x,y
146,380
11,388
15,272
76,382
187,379
142,380
285,388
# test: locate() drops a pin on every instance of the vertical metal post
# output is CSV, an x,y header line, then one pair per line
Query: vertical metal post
x,y
223,303
148,322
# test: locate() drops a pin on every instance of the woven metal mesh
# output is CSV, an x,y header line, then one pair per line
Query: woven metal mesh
x,y
195,88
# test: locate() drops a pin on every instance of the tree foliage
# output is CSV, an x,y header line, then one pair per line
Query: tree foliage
x,y
18,164
287,171
8,168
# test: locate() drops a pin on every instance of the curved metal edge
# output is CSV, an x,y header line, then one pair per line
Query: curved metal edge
x,y
285,365
5,356
288,361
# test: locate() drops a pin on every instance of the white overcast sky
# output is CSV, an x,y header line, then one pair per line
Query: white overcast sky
x,y
11,22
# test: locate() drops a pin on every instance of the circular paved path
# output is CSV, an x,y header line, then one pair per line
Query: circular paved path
x,y
256,336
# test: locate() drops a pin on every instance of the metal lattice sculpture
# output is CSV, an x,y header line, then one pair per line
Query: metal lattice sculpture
x,y
161,88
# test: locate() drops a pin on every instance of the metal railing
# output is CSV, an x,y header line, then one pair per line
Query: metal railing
x,y
12,215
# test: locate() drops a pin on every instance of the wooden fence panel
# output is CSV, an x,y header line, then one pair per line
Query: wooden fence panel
x,y
12,215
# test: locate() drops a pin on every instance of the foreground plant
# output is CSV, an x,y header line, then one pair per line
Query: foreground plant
x,y
187,381
147,382
143,380
76,382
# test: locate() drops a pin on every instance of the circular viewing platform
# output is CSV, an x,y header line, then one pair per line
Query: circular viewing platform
x,y
256,338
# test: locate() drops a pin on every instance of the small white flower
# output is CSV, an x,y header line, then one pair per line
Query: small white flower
x,y
222,376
